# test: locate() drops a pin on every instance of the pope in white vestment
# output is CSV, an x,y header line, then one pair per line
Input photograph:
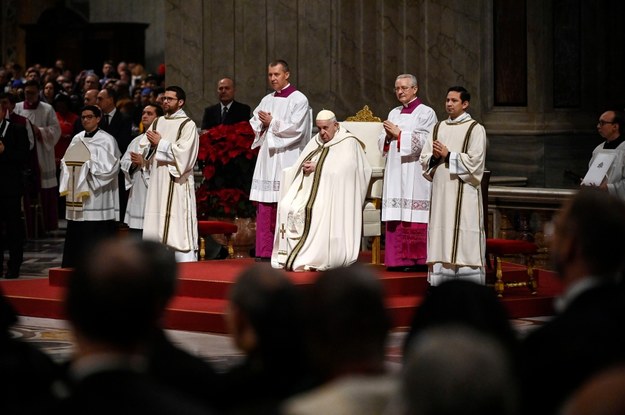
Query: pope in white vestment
x,y
170,209
456,239
319,221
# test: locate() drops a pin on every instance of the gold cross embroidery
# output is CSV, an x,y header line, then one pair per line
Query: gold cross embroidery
x,y
282,230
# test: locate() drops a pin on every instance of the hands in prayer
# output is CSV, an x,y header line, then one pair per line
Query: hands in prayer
x,y
439,151
392,130
265,118
137,159
153,136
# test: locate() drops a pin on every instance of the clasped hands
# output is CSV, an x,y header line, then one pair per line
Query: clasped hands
x,y
265,118
137,159
392,130
153,137
439,150
309,167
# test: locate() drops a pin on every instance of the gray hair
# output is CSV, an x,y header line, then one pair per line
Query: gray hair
x,y
413,79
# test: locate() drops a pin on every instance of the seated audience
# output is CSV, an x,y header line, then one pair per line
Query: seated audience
x,y
123,363
28,374
453,369
587,334
263,318
347,328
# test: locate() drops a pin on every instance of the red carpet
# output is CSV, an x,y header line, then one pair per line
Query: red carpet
x,y
203,287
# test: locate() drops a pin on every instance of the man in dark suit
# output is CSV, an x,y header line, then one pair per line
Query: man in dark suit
x,y
587,334
14,149
119,126
228,111
124,362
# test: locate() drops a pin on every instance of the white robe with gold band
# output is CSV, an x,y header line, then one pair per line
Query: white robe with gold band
x,y
456,240
170,209
319,219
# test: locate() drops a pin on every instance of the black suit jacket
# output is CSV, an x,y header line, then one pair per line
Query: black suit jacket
x,y
13,160
120,127
124,391
238,112
558,357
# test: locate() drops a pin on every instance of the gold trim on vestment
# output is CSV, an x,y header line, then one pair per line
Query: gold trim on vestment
x,y
309,205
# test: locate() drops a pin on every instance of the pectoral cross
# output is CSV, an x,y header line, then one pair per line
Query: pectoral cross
x,y
282,230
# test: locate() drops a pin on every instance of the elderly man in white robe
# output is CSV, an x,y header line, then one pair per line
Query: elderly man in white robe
x,y
136,171
89,182
319,221
47,132
282,126
454,158
406,194
170,208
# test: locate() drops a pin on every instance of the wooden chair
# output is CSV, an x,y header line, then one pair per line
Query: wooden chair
x,y
499,248
211,227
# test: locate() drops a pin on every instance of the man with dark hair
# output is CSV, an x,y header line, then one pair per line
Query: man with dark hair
x,y
587,334
263,317
453,158
610,127
172,144
123,363
89,173
136,170
13,159
347,328
282,125
28,372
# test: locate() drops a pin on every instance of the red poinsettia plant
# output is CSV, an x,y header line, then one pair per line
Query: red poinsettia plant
x,y
227,164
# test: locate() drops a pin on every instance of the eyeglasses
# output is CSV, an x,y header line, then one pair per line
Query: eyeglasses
x,y
601,123
87,117
402,88
170,99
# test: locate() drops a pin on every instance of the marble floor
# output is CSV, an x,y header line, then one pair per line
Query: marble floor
x,y
54,337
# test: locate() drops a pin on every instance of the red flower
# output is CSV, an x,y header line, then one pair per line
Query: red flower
x,y
227,163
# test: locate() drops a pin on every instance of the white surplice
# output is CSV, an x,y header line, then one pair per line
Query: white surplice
x,y
456,239
280,143
136,183
44,119
170,209
616,172
319,221
406,194
94,187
